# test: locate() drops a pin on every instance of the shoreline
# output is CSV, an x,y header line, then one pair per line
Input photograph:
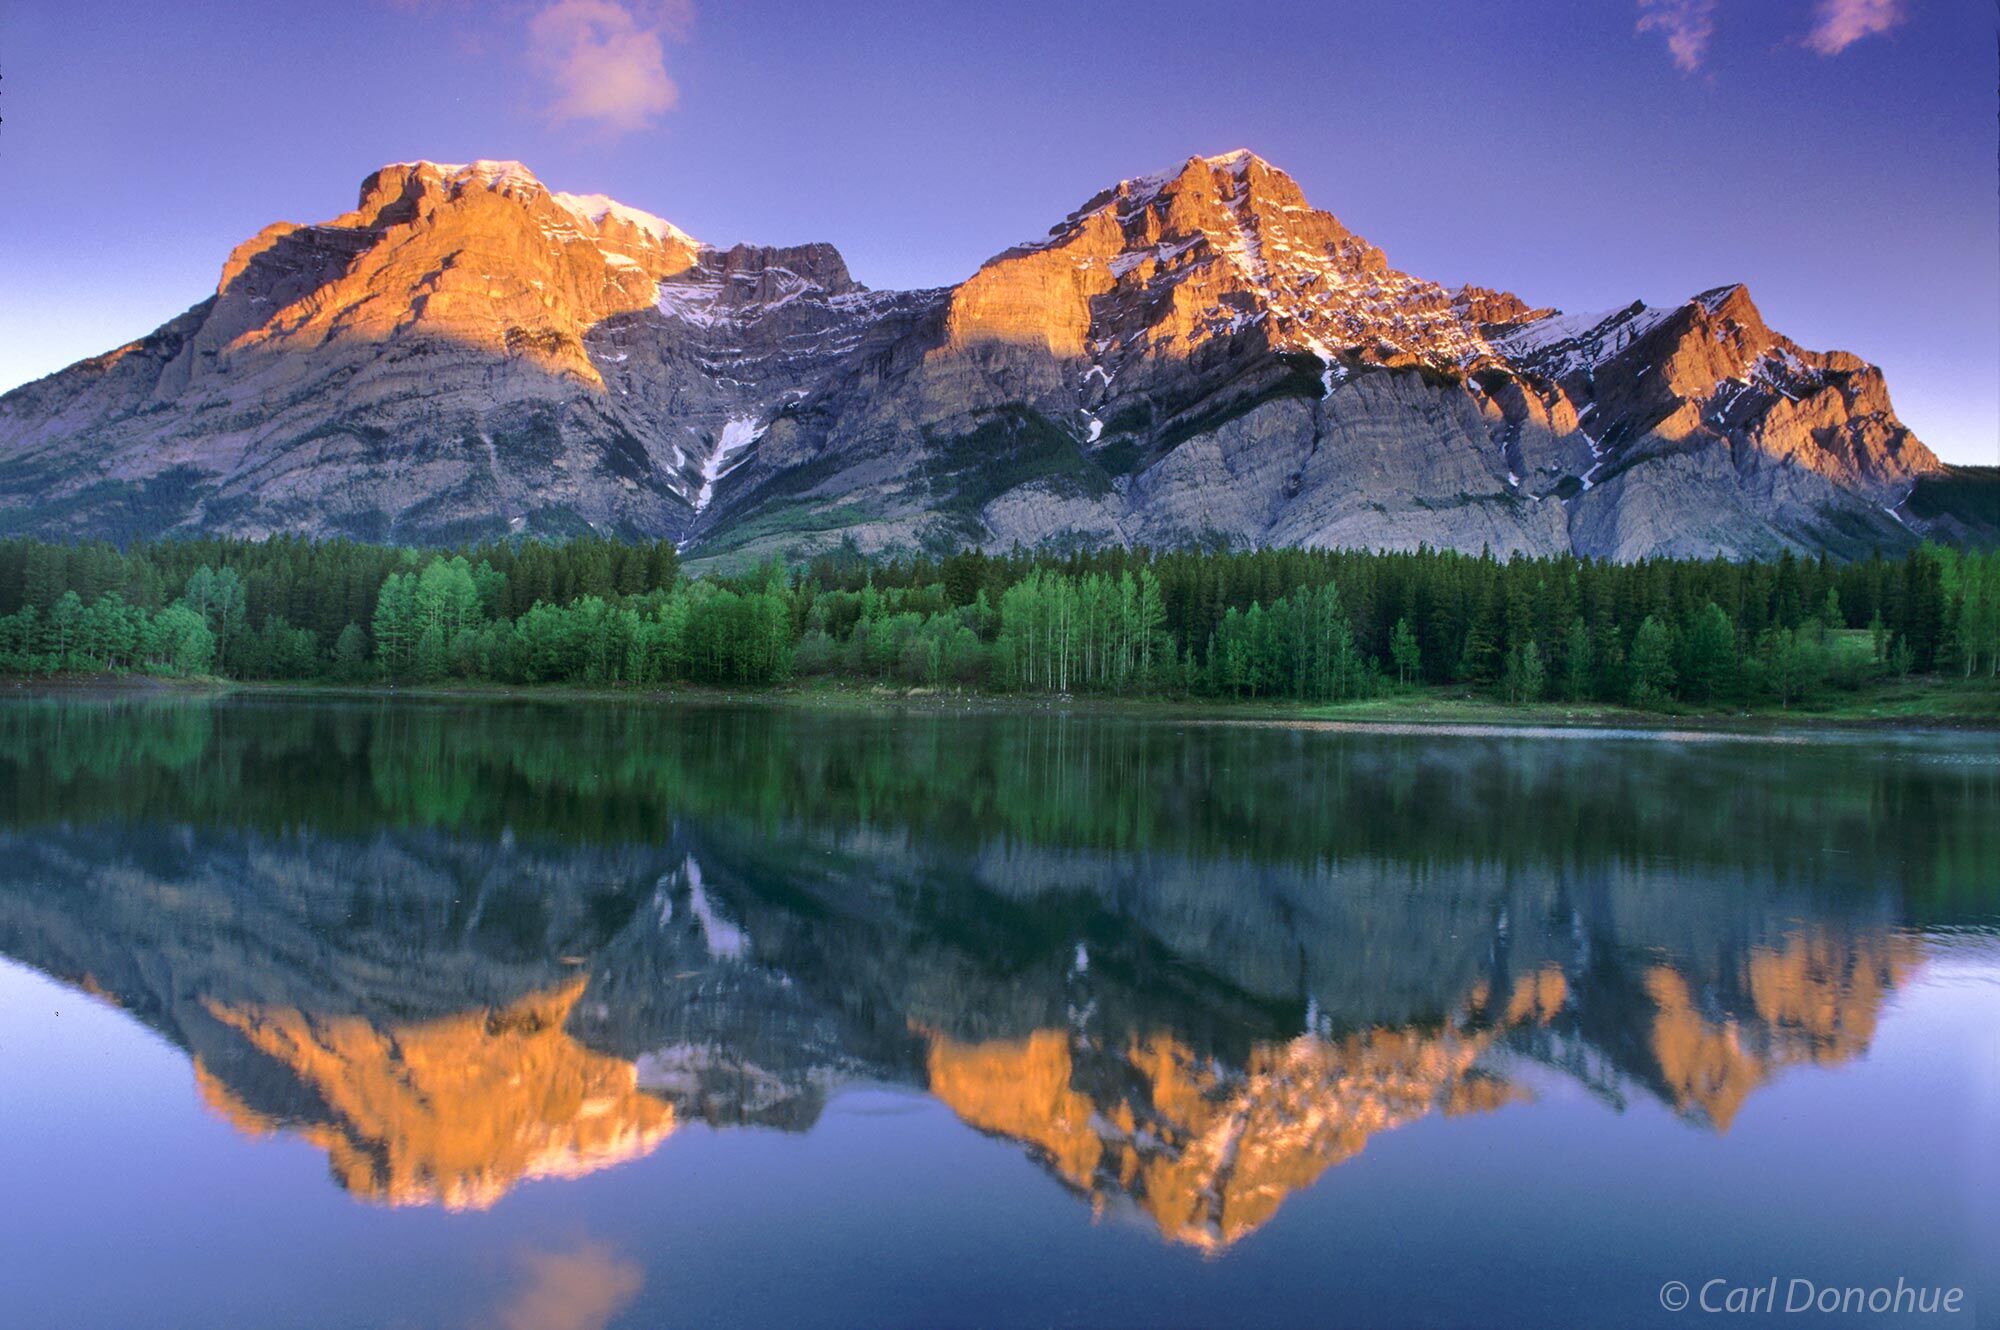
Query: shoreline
x,y
1911,708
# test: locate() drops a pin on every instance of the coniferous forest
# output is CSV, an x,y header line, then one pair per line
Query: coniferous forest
x,y
1299,625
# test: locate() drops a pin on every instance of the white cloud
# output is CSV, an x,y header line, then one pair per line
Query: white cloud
x,y
575,1290
1688,25
1838,24
605,61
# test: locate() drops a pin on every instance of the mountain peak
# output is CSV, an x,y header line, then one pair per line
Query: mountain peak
x,y
1202,195
402,177
1729,301
468,351
1224,173
401,190
1237,160
1234,157
395,191
485,171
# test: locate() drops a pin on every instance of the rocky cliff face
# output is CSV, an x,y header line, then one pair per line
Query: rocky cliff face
x,y
1193,356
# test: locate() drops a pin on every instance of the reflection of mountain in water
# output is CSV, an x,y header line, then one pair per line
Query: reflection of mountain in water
x,y
446,1021
402,1002
454,1110
1814,998
1193,1025
1207,1150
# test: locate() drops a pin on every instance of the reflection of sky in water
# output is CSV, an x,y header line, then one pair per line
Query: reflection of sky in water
x,y
890,1207
993,1061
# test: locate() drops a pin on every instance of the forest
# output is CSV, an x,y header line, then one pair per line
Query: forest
x,y
1301,625
589,774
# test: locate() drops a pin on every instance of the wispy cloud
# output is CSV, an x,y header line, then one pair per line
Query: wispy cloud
x,y
1688,24
605,61
571,1290
1838,24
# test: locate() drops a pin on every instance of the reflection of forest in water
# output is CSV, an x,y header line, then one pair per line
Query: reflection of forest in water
x,y
1188,967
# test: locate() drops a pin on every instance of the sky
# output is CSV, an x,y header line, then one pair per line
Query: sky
x,y
1839,156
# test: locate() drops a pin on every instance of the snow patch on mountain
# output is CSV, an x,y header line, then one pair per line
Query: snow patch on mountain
x,y
597,208
724,940
1563,344
737,436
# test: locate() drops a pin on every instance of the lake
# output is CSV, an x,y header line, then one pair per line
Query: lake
x,y
564,1015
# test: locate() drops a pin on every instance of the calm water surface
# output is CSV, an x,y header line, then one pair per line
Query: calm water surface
x,y
555,1017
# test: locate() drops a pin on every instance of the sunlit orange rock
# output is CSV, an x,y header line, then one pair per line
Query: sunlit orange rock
x,y
1207,1152
1539,999
1534,999
1161,265
1815,999
1705,1064
454,1111
1826,992
1021,1088
481,254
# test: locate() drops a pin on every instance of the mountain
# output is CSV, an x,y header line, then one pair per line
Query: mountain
x,y
1195,356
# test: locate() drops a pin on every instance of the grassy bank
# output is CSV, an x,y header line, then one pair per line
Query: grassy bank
x,y
1916,703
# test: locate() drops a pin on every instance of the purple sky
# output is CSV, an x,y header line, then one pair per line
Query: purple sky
x,y
1837,155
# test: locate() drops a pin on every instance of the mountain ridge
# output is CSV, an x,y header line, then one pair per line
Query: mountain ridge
x,y
1194,356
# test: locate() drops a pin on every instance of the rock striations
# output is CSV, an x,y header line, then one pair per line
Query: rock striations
x,y
1198,356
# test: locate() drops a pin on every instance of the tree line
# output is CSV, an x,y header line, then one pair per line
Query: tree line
x,y
594,775
1306,625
